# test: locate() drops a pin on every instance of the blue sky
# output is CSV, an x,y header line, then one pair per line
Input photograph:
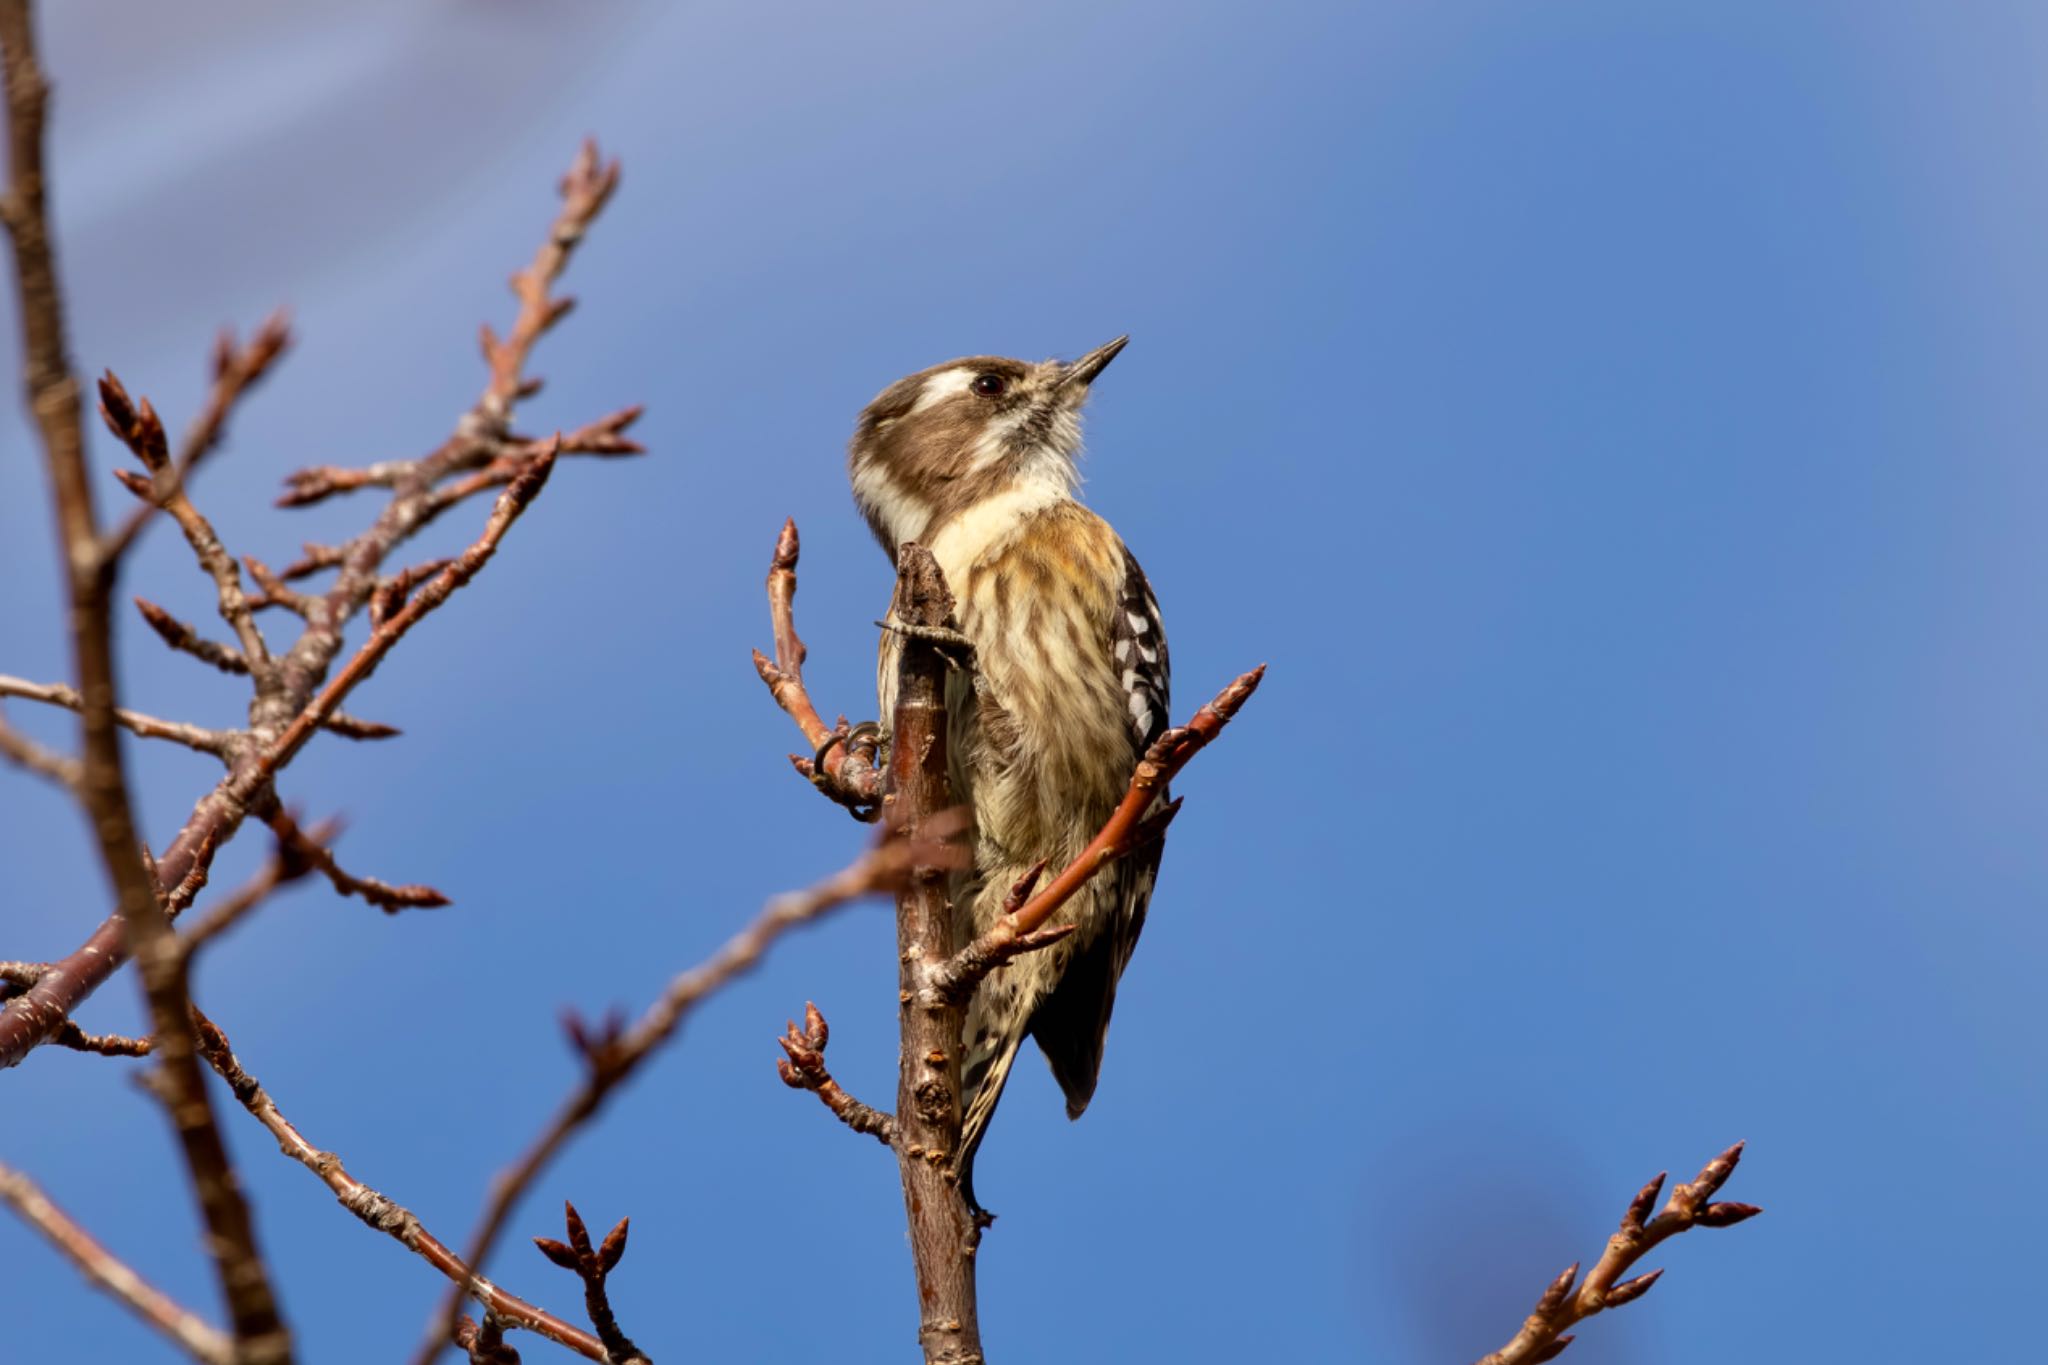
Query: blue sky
x,y
1618,427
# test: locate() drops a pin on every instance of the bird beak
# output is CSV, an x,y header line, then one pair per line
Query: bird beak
x,y
1083,371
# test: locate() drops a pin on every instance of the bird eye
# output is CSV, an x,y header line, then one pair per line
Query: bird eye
x,y
990,385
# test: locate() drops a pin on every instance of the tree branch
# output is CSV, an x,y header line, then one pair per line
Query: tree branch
x,y
593,1265
804,1069
235,370
612,1052
277,727
1543,1335
1131,826
944,1231
314,850
840,765
185,1329
259,1331
25,753
147,727
378,1212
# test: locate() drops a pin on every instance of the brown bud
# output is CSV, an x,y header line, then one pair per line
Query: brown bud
x,y
1631,1289
556,1252
1726,1215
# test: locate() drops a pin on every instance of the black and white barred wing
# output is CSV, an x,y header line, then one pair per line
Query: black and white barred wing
x,y
1073,1023
1138,643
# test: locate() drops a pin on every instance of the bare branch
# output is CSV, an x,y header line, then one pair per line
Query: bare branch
x,y
138,426
612,1054
511,503
804,1069
375,1210
945,1231
25,753
179,635
1131,826
313,850
186,1330
288,864
70,1035
218,815
1543,1335
259,1331
148,727
840,765
592,1265
235,370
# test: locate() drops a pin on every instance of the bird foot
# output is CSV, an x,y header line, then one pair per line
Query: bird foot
x,y
940,638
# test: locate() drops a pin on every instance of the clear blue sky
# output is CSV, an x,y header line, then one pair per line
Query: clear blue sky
x,y
1619,426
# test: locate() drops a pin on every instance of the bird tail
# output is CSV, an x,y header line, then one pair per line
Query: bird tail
x,y
983,1079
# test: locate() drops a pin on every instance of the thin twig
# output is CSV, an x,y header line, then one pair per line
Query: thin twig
x,y
147,727
138,427
840,765
181,636
314,851
804,1069
1131,826
259,1331
70,1035
235,370
25,753
185,1329
303,669
593,1265
1543,1335
479,439
376,1210
612,1054
291,861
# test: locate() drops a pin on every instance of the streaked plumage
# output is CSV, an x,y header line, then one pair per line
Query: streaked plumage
x,y
975,459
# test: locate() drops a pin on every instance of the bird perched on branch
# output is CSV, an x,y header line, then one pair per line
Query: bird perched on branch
x,y
975,460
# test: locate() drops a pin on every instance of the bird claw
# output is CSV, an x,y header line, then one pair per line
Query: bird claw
x,y
940,638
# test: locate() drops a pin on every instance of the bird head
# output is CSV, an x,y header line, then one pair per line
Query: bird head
x,y
950,437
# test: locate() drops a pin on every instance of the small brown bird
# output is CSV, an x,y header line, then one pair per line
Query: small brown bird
x,y
975,459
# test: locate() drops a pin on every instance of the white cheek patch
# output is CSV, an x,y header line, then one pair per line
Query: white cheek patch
x,y
901,513
941,386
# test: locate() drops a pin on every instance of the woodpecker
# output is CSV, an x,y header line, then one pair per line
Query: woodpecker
x,y
975,459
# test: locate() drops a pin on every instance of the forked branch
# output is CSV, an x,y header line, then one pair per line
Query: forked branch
x,y
1568,1301
842,762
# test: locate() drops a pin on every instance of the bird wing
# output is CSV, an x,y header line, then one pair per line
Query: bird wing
x,y
1073,1023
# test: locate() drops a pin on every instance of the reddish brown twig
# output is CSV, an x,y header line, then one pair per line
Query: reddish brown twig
x,y
944,1231
313,849
70,1035
235,370
26,754
137,425
612,1054
516,498
313,559
804,1069
593,1265
276,592
260,1336
180,635
1128,828
294,858
838,766
147,727
484,1344
282,718
1543,1335
378,1212
180,1325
